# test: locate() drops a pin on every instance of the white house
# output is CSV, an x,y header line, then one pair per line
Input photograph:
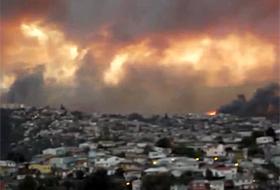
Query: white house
x,y
264,140
106,162
7,163
62,162
185,164
227,172
156,155
276,161
55,151
178,187
215,151
156,170
243,181
136,184
217,184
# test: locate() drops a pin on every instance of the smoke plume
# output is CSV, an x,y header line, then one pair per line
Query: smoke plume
x,y
264,102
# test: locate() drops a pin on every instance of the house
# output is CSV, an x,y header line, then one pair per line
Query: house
x,y
216,151
199,185
62,162
7,167
60,151
106,162
88,145
156,155
129,165
180,165
43,168
129,175
264,140
156,170
217,184
178,187
229,172
7,163
276,161
136,184
243,182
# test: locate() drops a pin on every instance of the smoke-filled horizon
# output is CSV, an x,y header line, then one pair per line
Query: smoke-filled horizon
x,y
137,56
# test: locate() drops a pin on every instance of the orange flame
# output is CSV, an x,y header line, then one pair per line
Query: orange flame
x,y
212,113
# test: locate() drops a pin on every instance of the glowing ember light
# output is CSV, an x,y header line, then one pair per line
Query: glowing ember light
x,y
212,113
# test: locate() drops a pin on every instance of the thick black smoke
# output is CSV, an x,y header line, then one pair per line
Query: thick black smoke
x,y
27,89
264,102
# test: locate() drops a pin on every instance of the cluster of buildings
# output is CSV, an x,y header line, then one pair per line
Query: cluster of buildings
x,y
200,151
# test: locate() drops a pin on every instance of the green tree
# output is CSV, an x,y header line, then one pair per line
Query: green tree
x,y
164,143
255,150
260,176
157,182
181,150
271,132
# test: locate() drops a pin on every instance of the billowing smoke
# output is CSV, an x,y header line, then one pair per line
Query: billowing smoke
x,y
264,102
27,89
141,55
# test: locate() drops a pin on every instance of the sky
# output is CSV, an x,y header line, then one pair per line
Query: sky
x,y
137,56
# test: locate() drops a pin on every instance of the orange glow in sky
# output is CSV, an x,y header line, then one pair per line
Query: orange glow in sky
x,y
227,60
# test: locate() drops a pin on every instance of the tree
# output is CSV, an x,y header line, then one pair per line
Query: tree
x,y
98,181
208,174
260,176
164,143
186,177
157,182
119,172
28,184
79,174
271,132
68,184
187,151
251,141
16,157
254,150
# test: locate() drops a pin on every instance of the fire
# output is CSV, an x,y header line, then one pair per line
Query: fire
x,y
114,74
237,55
32,30
228,60
38,44
212,113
